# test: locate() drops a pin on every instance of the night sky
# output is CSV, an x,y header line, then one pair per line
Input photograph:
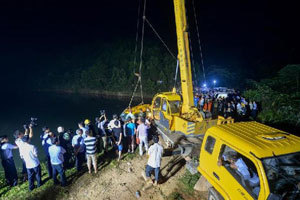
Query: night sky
x,y
256,36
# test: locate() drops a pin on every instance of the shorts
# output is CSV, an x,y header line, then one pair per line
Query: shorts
x,y
119,147
130,139
91,158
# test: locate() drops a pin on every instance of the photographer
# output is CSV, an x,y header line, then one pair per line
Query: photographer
x,y
46,138
8,163
101,123
19,142
116,127
30,156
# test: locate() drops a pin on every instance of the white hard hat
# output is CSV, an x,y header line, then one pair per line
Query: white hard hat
x,y
60,129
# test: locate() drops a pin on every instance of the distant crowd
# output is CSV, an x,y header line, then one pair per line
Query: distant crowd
x,y
226,103
63,149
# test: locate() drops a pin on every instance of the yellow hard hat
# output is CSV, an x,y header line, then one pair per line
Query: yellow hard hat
x,y
87,121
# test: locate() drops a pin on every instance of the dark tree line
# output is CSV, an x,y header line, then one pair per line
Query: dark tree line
x,y
279,96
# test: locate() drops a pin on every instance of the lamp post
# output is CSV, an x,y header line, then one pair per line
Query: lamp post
x,y
214,83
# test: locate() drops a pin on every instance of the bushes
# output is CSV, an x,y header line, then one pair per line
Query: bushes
x,y
109,68
279,97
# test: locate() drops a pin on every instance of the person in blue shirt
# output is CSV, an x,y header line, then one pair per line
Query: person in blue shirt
x,y
56,153
196,99
46,138
79,149
130,133
8,163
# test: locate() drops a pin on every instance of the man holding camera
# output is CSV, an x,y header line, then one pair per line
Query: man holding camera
x,y
46,138
19,142
101,121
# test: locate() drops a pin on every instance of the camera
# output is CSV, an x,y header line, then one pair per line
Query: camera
x,y
102,112
32,123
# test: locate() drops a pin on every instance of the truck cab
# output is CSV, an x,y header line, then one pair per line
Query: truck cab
x,y
249,160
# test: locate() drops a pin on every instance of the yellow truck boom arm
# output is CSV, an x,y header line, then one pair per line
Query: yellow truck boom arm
x,y
184,56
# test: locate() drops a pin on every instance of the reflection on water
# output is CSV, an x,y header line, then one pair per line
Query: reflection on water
x,y
52,110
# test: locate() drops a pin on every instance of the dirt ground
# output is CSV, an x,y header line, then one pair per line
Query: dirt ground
x,y
121,180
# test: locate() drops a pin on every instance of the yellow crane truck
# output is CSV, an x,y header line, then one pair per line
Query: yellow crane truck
x,y
241,161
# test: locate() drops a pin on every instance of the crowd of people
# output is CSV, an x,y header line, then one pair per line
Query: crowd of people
x,y
227,103
63,149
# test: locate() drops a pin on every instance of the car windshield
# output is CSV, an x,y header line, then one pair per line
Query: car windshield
x,y
174,105
283,174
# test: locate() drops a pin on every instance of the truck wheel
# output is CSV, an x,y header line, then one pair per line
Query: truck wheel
x,y
214,195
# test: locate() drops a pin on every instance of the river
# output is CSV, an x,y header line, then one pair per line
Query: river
x,y
52,110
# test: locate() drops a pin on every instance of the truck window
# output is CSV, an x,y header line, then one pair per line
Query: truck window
x,y
174,105
210,143
164,105
157,103
242,169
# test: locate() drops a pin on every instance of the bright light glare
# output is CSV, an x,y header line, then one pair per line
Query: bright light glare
x,y
204,85
215,81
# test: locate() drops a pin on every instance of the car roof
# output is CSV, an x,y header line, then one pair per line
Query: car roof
x,y
258,139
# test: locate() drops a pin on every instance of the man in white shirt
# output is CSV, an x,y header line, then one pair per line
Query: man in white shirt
x,y
30,156
155,153
56,153
101,129
79,149
142,134
19,142
240,166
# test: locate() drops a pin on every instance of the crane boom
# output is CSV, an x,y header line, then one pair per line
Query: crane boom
x,y
184,55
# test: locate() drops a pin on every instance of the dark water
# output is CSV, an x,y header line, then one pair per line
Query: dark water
x,y
52,110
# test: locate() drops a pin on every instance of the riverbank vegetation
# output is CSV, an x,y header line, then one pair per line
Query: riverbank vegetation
x,y
112,67
279,97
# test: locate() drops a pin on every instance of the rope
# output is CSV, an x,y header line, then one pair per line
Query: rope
x,y
137,34
141,53
199,41
135,88
156,33
135,52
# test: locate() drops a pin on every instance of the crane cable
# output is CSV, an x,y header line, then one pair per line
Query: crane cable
x,y
156,33
191,53
199,41
141,52
137,34
135,51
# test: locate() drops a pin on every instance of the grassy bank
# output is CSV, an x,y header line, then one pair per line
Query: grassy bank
x,y
186,187
50,191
